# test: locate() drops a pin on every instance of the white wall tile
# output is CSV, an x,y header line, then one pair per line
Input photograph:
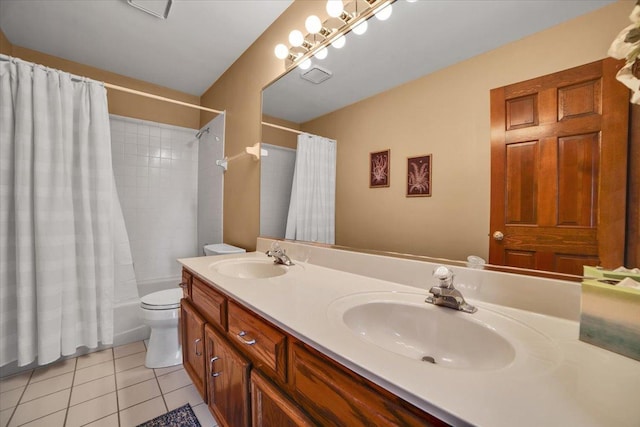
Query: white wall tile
x,y
155,193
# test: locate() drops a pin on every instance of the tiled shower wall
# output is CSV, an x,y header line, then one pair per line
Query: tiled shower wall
x,y
156,170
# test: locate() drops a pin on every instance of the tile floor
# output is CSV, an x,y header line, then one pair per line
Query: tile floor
x,y
107,388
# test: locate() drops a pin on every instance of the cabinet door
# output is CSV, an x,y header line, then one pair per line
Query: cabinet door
x,y
269,407
192,326
335,397
227,381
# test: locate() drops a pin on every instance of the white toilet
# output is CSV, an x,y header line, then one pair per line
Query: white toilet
x,y
222,249
160,311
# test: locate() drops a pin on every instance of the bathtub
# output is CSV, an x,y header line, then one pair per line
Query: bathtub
x,y
127,326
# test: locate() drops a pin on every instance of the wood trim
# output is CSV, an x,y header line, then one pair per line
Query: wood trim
x,y
498,111
632,259
613,159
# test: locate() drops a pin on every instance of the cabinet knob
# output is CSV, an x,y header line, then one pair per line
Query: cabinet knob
x,y
249,341
183,285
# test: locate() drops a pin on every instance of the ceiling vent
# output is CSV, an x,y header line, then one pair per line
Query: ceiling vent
x,y
316,74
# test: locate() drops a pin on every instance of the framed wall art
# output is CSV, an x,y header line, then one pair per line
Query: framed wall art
x,y
379,169
419,176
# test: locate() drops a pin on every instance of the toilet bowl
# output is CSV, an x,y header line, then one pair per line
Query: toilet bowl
x,y
160,311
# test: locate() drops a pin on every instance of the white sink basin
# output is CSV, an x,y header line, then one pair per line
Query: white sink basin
x,y
249,268
404,324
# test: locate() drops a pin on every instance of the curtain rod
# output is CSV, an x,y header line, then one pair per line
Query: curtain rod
x,y
299,132
8,58
159,98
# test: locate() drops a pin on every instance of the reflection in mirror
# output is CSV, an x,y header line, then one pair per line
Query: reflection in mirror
x,y
418,84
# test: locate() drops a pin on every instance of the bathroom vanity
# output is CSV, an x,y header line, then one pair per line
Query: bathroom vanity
x,y
316,344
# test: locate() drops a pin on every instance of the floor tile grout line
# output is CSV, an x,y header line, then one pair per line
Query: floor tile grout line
x,y
166,407
115,380
15,408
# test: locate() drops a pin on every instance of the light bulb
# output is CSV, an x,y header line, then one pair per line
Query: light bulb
x,y
313,24
321,53
384,13
296,38
361,28
334,8
305,64
281,51
339,42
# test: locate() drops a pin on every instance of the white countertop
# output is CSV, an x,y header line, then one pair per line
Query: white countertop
x,y
575,384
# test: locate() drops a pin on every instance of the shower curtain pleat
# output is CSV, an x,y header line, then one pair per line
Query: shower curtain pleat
x,y
313,192
57,213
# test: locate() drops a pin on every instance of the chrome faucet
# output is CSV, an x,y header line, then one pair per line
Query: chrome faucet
x,y
445,294
279,255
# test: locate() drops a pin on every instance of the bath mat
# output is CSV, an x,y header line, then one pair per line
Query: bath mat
x,y
179,417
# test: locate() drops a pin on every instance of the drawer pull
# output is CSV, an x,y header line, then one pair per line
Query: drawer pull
x,y
213,374
241,336
196,342
184,285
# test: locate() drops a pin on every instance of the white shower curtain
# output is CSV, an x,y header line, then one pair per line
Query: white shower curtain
x,y
57,210
313,192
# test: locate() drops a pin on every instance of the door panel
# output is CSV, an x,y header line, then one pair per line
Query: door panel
x,y
558,146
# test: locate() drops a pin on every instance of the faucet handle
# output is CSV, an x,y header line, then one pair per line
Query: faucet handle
x,y
444,276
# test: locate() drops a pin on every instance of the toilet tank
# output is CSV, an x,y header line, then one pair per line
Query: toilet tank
x,y
222,249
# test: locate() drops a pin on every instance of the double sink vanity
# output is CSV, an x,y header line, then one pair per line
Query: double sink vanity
x,y
346,338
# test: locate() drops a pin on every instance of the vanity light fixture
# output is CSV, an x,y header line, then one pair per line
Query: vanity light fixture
x,y
334,8
337,43
313,24
343,18
361,28
384,13
296,38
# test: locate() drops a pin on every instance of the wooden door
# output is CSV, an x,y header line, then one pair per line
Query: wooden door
x,y
227,381
270,407
558,170
192,325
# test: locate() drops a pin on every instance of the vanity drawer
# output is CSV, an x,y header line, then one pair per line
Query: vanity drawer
x,y
210,303
263,343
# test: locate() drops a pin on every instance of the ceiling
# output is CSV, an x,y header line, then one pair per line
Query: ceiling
x,y
418,39
187,52
200,40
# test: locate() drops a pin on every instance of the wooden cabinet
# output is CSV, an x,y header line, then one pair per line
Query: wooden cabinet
x,y
210,303
271,408
263,343
338,397
192,325
251,372
227,381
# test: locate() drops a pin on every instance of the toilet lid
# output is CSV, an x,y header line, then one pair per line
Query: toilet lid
x,y
162,300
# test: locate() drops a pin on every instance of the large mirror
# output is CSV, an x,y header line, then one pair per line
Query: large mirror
x,y
418,84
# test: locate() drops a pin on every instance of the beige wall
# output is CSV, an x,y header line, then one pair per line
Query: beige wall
x,y
238,92
446,114
282,138
5,45
120,103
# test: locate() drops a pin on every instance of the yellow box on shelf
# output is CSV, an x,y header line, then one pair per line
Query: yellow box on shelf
x,y
610,315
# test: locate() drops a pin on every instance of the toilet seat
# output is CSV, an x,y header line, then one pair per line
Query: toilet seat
x,y
162,300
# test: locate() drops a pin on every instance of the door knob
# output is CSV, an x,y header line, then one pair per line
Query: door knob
x,y
498,235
